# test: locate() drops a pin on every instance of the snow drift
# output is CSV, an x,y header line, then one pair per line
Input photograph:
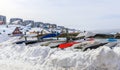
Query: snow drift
x,y
22,57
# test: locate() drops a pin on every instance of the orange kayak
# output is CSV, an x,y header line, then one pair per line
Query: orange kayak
x,y
66,45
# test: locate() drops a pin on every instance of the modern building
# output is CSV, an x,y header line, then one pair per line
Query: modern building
x,y
41,24
47,25
38,24
60,27
2,19
28,22
16,21
53,26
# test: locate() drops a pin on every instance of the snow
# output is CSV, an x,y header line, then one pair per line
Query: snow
x,y
8,30
80,35
4,30
3,38
40,56
36,57
39,30
86,34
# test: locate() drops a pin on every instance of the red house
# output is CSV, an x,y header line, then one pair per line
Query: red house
x,y
1,22
17,32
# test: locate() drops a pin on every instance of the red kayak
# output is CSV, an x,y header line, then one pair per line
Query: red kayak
x,y
66,45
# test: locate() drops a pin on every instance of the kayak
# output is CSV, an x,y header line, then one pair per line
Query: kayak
x,y
66,45
50,35
112,40
94,46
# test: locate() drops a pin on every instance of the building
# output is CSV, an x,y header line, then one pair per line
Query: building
x,y
2,19
16,21
28,22
38,24
46,25
41,24
60,27
53,26
17,32
72,30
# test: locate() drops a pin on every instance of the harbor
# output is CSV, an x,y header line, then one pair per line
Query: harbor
x,y
59,35
57,51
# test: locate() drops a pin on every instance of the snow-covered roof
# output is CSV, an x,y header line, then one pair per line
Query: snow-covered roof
x,y
39,30
86,34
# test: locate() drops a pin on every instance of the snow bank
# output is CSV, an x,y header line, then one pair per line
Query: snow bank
x,y
102,58
4,37
36,57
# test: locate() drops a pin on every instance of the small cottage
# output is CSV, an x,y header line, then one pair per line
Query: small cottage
x,y
17,32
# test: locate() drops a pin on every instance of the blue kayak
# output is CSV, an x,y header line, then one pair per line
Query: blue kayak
x,y
50,35
112,40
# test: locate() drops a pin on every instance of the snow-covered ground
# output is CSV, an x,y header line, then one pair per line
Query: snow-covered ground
x,y
36,57
3,38
40,56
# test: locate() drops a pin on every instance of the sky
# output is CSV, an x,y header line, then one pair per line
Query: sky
x,y
77,14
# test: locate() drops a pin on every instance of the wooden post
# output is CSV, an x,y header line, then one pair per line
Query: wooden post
x,y
7,26
67,36
85,37
57,37
42,34
38,36
25,37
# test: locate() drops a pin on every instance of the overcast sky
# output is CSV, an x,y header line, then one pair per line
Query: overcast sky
x,y
79,14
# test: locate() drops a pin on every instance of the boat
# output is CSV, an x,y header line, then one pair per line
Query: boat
x,y
112,40
94,46
66,45
50,35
